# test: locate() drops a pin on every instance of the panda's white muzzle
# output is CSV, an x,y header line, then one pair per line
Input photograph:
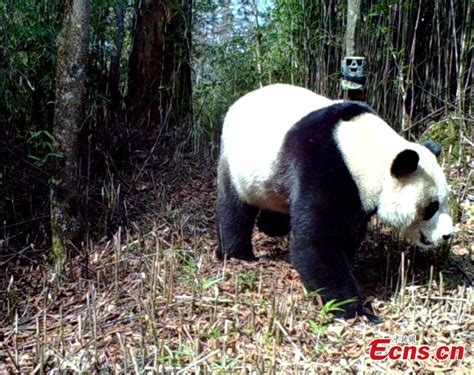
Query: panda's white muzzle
x,y
434,232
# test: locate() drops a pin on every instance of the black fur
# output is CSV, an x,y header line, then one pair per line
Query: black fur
x,y
235,220
327,219
273,224
405,163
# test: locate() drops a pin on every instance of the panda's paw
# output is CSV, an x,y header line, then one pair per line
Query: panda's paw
x,y
351,312
246,257
372,317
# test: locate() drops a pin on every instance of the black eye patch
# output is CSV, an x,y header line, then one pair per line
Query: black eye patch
x,y
430,210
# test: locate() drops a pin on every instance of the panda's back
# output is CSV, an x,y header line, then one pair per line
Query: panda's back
x,y
254,130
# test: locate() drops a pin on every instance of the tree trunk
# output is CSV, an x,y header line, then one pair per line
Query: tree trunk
x,y
353,40
258,44
72,55
160,70
116,113
352,28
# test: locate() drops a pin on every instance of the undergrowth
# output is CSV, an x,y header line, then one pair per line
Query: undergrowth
x,y
153,298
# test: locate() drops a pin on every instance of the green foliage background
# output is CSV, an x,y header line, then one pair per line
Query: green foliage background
x,y
419,53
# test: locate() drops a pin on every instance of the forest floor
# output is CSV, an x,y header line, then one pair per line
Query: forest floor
x,y
153,298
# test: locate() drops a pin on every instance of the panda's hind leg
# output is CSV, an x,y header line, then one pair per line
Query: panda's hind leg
x,y
235,221
273,224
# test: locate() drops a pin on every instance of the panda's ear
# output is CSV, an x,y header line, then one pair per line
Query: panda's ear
x,y
405,163
433,146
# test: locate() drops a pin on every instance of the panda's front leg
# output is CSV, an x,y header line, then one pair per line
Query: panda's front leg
x,y
235,222
318,253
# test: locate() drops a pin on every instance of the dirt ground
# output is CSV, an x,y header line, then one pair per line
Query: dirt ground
x,y
152,298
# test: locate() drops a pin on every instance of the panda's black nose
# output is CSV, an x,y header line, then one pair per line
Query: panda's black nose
x,y
447,236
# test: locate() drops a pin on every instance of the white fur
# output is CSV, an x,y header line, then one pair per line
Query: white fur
x,y
253,133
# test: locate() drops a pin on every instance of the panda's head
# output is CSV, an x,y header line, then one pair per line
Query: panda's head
x,y
414,196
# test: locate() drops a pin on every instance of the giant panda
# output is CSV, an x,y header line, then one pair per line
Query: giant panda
x,y
320,167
